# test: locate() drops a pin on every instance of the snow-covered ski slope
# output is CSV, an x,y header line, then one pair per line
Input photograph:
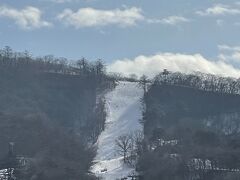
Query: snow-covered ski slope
x,y
124,111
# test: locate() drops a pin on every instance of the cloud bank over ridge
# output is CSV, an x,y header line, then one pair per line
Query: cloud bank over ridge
x,y
152,65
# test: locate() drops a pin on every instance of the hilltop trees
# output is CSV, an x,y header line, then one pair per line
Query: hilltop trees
x,y
50,64
83,65
206,82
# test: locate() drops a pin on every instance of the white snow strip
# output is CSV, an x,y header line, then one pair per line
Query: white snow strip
x,y
124,113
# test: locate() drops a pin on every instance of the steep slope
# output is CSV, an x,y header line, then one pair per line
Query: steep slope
x,y
50,116
124,112
169,105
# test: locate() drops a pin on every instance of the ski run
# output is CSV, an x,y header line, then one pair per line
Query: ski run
x,y
123,106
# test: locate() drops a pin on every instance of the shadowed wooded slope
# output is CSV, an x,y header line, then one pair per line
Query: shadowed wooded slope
x,y
53,111
191,127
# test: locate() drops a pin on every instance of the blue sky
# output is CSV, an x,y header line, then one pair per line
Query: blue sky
x,y
125,30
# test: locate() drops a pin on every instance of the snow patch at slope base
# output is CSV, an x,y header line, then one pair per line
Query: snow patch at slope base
x,y
124,112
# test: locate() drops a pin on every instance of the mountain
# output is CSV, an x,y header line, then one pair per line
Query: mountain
x,y
68,120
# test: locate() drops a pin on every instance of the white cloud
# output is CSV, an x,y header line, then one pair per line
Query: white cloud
x,y
27,18
225,47
152,65
230,54
219,9
90,17
65,1
61,1
171,20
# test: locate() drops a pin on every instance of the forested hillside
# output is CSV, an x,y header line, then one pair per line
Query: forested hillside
x,y
53,110
191,127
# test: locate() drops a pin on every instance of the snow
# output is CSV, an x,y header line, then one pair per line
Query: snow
x,y
4,174
124,112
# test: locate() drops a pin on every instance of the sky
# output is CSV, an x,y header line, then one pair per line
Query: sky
x,y
131,36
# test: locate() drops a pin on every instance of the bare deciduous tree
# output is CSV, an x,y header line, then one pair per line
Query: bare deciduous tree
x,y
124,144
143,82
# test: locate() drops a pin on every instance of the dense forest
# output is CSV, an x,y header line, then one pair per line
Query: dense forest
x,y
191,128
53,111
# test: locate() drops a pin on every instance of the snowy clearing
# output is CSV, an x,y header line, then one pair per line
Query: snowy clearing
x,y
124,112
